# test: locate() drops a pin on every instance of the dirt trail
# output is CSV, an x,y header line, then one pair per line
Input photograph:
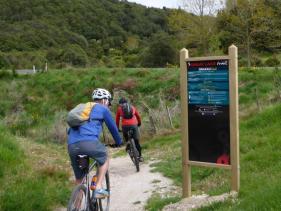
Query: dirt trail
x,y
130,189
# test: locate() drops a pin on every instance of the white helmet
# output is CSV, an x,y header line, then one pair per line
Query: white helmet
x,y
101,94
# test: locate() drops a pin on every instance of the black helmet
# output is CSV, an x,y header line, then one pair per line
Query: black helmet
x,y
122,100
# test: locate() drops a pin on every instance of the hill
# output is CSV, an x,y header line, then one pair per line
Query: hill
x,y
117,33
78,33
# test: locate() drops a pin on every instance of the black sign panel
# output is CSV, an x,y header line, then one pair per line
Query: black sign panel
x,y
208,111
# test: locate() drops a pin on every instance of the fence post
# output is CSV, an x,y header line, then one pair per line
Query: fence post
x,y
169,115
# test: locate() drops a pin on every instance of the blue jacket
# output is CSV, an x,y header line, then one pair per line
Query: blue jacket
x,y
91,130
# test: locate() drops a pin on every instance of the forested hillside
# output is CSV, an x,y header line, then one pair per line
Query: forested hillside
x,y
113,33
76,32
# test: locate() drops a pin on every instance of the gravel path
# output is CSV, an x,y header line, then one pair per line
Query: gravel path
x,y
130,189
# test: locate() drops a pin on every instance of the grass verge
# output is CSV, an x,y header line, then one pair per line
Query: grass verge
x,y
260,152
29,182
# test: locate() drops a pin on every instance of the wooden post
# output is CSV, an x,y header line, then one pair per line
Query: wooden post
x,y
186,185
234,117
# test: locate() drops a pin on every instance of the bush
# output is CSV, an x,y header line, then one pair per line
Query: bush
x,y
5,74
256,61
3,61
74,55
159,53
272,62
242,62
132,60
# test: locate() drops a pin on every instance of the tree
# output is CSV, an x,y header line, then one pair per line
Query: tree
x,y
198,26
202,8
74,55
159,53
250,25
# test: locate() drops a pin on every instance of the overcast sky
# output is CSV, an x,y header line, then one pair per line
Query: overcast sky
x,y
158,3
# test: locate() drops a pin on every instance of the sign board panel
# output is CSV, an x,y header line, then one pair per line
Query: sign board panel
x,y
208,111
209,114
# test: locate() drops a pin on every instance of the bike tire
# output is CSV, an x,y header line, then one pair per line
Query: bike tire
x,y
135,153
102,204
74,204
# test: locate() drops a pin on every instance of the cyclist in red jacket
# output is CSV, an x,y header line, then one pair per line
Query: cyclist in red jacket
x,y
130,120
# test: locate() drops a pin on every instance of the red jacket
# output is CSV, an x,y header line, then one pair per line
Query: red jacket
x,y
126,122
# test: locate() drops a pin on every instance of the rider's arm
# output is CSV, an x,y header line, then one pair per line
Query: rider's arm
x,y
118,114
111,126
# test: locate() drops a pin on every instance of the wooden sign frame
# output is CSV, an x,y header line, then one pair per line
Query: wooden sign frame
x,y
232,57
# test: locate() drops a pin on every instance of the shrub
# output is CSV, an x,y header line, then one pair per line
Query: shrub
x,y
132,60
256,61
159,53
58,131
242,62
74,55
53,54
5,74
272,62
3,61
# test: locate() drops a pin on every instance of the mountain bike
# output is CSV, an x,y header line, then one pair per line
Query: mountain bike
x,y
132,150
82,197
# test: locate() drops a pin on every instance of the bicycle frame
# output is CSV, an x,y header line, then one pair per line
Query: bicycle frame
x,y
86,179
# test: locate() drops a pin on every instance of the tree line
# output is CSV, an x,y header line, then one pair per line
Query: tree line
x,y
117,33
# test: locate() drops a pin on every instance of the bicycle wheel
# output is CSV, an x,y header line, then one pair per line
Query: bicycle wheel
x,y
102,204
134,154
78,200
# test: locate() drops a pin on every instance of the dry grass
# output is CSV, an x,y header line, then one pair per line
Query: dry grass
x,y
46,158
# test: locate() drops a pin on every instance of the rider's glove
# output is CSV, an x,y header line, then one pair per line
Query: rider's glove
x,y
113,145
120,145
139,124
116,145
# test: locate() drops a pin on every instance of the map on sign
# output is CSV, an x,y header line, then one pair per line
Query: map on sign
x,y
208,82
208,111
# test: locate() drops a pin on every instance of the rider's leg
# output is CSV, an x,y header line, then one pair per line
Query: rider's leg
x,y
101,173
137,138
73,151
138,146
78,181
125,137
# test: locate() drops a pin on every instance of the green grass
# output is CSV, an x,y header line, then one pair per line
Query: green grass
x,y
24,188
260,165
33,106
31,102
156,203
10,153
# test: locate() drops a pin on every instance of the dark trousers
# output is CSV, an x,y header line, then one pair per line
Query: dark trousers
x,y
136,135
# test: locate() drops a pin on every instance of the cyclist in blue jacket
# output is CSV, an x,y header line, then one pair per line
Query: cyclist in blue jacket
x,y
85,139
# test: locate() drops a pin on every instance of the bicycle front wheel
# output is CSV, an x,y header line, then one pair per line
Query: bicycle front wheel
x,y
78,200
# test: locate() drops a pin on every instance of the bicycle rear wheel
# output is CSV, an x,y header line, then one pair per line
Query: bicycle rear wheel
x,y
78,200
102,204
134,154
